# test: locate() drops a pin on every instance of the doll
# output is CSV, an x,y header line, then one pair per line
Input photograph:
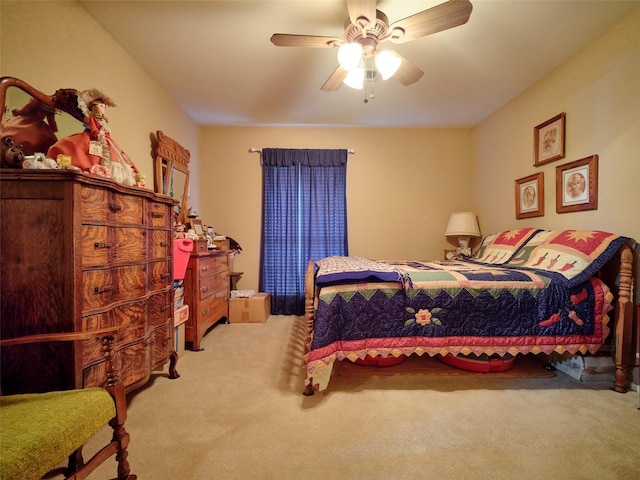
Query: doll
x,y
95,146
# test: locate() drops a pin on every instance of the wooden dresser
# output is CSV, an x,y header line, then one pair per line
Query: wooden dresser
x,y
81,253
206,291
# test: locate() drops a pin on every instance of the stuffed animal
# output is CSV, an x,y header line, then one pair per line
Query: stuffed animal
x,y
191,233
39,161
12,155
180,227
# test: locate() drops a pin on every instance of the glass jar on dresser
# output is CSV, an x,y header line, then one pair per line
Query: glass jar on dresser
x,y
80,253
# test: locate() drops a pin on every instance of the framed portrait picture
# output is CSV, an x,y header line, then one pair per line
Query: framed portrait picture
x,y
530,196
197,226
577,185
548,140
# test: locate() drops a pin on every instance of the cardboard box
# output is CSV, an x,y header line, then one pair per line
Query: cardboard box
x,y
250,310
180,316
179,334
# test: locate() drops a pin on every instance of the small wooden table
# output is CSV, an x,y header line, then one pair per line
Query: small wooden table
x,y
234,278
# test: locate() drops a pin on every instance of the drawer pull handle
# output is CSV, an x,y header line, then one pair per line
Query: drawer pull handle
x,y
115,207
204,312
204,268
164,308
157,214
102,245
106,288
204,289
164,244
164,276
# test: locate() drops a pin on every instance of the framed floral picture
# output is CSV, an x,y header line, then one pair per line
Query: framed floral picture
x,y
530,196
577,185
548,140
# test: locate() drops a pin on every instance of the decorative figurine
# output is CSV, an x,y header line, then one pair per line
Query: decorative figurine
x,y
95,145
180,227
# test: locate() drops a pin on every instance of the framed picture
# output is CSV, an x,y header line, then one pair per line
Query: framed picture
x,y
548,140
196,224
530,196
577,185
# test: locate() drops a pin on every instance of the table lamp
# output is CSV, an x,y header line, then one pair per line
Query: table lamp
x,y
462,225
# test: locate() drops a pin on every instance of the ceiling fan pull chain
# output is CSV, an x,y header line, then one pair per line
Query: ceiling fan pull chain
x,y
369,75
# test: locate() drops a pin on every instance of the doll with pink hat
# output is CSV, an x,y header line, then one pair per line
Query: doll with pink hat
x,y
94,150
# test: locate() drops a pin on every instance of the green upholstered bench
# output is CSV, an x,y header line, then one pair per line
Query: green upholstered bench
x,y
40,430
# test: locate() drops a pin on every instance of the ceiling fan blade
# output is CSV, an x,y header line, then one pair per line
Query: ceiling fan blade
x,y
334,82
290,40
436,19
362,13
407,73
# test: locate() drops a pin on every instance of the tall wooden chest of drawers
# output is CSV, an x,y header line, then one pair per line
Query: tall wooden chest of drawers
x,y
206,291
80,253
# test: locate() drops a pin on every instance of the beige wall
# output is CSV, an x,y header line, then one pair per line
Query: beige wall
x,y
599,91
402,184
77,53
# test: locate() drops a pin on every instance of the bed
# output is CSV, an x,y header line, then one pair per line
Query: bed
x,y
526,291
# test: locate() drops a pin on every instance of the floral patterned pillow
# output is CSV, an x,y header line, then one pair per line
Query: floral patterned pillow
x,y
575,254
499,248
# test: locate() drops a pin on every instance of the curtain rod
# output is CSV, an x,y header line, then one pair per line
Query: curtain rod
x,y
259,150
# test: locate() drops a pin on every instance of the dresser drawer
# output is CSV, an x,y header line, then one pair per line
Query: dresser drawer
x,y
129,245
93,206
131,319
160,242
101,287
100,206
208,308
211,265
125,209
160,275
163,344
160,309
96,246
159,214
133,365
213,284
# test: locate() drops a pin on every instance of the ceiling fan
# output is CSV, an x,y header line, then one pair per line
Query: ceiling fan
x,y
358,55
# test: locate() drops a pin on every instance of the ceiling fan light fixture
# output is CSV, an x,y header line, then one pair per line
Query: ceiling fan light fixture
x,y
349,55
355,78
387,63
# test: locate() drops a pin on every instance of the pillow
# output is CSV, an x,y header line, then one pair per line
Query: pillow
x,y
575,254
499,248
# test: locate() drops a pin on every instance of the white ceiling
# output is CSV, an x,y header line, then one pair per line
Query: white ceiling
x,y
215,59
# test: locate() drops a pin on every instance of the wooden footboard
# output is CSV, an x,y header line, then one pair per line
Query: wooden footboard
x,y
309,315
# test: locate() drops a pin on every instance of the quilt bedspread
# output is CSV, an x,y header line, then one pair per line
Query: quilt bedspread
x,y
453,307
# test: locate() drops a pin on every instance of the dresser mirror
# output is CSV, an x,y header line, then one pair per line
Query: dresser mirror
x,y
35,120
171,167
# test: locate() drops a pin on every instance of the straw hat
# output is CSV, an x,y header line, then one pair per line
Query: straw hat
x,y
85,98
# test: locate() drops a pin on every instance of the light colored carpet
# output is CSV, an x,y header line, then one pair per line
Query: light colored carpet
x,y
237,412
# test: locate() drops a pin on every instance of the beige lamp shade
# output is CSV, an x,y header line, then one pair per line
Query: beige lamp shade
x,y
462,224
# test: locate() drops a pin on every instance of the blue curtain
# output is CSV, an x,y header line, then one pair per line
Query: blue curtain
x,y
304,216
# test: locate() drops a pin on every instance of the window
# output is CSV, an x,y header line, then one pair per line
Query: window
x,y
304,217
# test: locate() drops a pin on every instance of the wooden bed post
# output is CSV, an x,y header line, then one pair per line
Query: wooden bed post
x,y
623,327
309,300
